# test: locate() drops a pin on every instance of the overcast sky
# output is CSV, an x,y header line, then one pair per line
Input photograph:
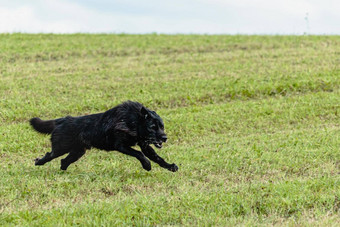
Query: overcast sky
x,y
171,16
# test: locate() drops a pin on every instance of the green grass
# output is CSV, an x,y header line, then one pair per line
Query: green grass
x,y
253,124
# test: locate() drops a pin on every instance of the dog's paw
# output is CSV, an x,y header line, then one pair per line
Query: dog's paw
x,y
146,165
173,168
36,161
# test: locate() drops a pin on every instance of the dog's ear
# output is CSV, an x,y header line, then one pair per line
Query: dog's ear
x,y
144,112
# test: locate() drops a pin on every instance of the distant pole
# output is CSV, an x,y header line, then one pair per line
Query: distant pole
x,y
307,32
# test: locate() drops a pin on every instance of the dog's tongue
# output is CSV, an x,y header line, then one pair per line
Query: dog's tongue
x,y
158,145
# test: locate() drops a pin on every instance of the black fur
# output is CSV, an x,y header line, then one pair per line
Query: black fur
x,y
119,128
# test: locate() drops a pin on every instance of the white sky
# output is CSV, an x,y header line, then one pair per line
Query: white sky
x,y
171,16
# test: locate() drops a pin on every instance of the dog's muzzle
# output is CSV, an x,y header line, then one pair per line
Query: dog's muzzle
x,y
159,144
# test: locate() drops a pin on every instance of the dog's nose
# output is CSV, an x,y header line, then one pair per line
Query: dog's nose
x,y
164,138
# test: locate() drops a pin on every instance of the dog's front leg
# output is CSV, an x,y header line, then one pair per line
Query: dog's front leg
x,y
152,155
137,154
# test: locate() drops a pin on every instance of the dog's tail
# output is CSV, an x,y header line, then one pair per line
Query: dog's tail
x,y
45,127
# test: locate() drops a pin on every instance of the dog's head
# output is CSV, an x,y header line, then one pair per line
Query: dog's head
x,y
152,128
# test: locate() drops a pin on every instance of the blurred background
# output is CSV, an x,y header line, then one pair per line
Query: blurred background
x,y
295,17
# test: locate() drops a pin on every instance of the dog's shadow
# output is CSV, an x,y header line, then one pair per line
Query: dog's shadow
x,y
90,174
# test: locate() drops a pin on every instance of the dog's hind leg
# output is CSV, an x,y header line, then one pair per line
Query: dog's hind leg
x,y
73,156
59,148
48,157
56,152
41,161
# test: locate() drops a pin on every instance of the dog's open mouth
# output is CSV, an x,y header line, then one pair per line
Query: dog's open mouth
x,y
158,145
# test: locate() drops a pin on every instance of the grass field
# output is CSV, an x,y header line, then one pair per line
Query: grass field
x,y
253,124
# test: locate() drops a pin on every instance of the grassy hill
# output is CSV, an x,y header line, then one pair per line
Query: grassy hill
x,y
253,124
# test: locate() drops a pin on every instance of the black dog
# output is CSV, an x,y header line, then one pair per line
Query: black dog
x,y
119,128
